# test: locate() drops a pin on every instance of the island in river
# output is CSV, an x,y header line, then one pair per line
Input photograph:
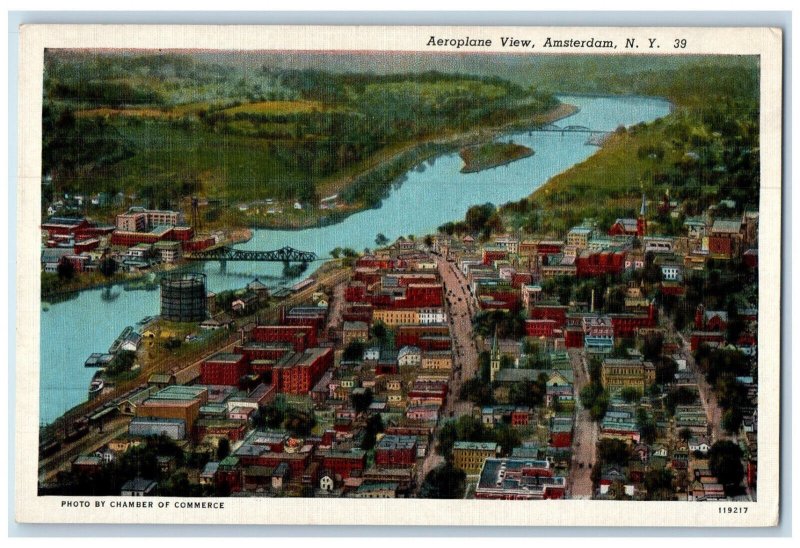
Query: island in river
x,y
489,155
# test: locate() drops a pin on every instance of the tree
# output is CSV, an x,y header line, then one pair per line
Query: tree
x,y
361,400
679,396
647,426
595,399
685,434
379,331
223,448
484,363
658,481
507,438
122,362
477,391
299,423
613,451
529,393
732,420
725,462
444,482
466,428
381,239
336,252
630,394
353,351
477,216
107,266
428,240
65,269
652,346
373,428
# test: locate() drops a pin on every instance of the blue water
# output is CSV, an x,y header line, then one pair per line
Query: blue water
x,y
428,197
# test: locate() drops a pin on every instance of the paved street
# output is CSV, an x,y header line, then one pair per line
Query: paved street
x,y
584,438
465,355
707,395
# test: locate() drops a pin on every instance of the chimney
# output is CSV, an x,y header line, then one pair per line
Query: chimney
x,y
592,308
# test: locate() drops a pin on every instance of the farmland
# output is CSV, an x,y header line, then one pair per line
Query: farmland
x,y
160,128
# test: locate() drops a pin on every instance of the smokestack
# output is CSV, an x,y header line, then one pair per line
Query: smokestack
x,y
592,308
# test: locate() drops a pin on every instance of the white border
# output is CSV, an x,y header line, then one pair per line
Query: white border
x,y
741,41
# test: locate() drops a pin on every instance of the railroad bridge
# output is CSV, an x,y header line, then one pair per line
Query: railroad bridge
x,y
224,254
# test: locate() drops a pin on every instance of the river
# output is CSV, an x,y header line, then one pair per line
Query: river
x,y
429,196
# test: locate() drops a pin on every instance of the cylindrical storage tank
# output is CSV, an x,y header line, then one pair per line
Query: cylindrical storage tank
x,y
183,297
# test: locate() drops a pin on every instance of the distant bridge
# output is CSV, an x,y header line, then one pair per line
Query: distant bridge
x,y
570,129
225,254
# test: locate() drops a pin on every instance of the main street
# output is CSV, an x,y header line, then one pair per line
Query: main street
x,y
584,437
459,309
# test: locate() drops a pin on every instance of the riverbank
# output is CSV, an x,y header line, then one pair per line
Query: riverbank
x,y
188,356
492,155
386,169
53,289
606,186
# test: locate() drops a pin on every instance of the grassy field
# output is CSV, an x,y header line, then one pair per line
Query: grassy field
x,y
278,107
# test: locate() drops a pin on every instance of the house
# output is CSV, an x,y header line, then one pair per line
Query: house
x,y
699,444
245,303
409,356
626,227
87,464
131,342
261,290
208,475
396,451
579,236
619,373
138,487
220,322
354,332
695,227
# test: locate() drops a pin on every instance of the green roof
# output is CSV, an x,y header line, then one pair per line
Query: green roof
x,y
229,462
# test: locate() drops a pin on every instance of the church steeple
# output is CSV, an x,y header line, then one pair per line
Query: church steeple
x,y
494,359
641,222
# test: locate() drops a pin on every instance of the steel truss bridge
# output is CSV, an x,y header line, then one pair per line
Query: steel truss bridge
x,y
570,129
224,254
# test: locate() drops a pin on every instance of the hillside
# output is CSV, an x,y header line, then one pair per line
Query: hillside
x,y
160,128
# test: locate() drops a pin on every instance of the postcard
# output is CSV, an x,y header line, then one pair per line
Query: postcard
x,y
489,275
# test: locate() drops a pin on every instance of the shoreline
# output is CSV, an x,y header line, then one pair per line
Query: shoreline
x,y
441,145
124,280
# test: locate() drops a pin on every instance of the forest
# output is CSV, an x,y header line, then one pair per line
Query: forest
x,y
161,127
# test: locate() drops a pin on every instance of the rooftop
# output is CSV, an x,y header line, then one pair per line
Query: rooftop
x,y
475,446
178,392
